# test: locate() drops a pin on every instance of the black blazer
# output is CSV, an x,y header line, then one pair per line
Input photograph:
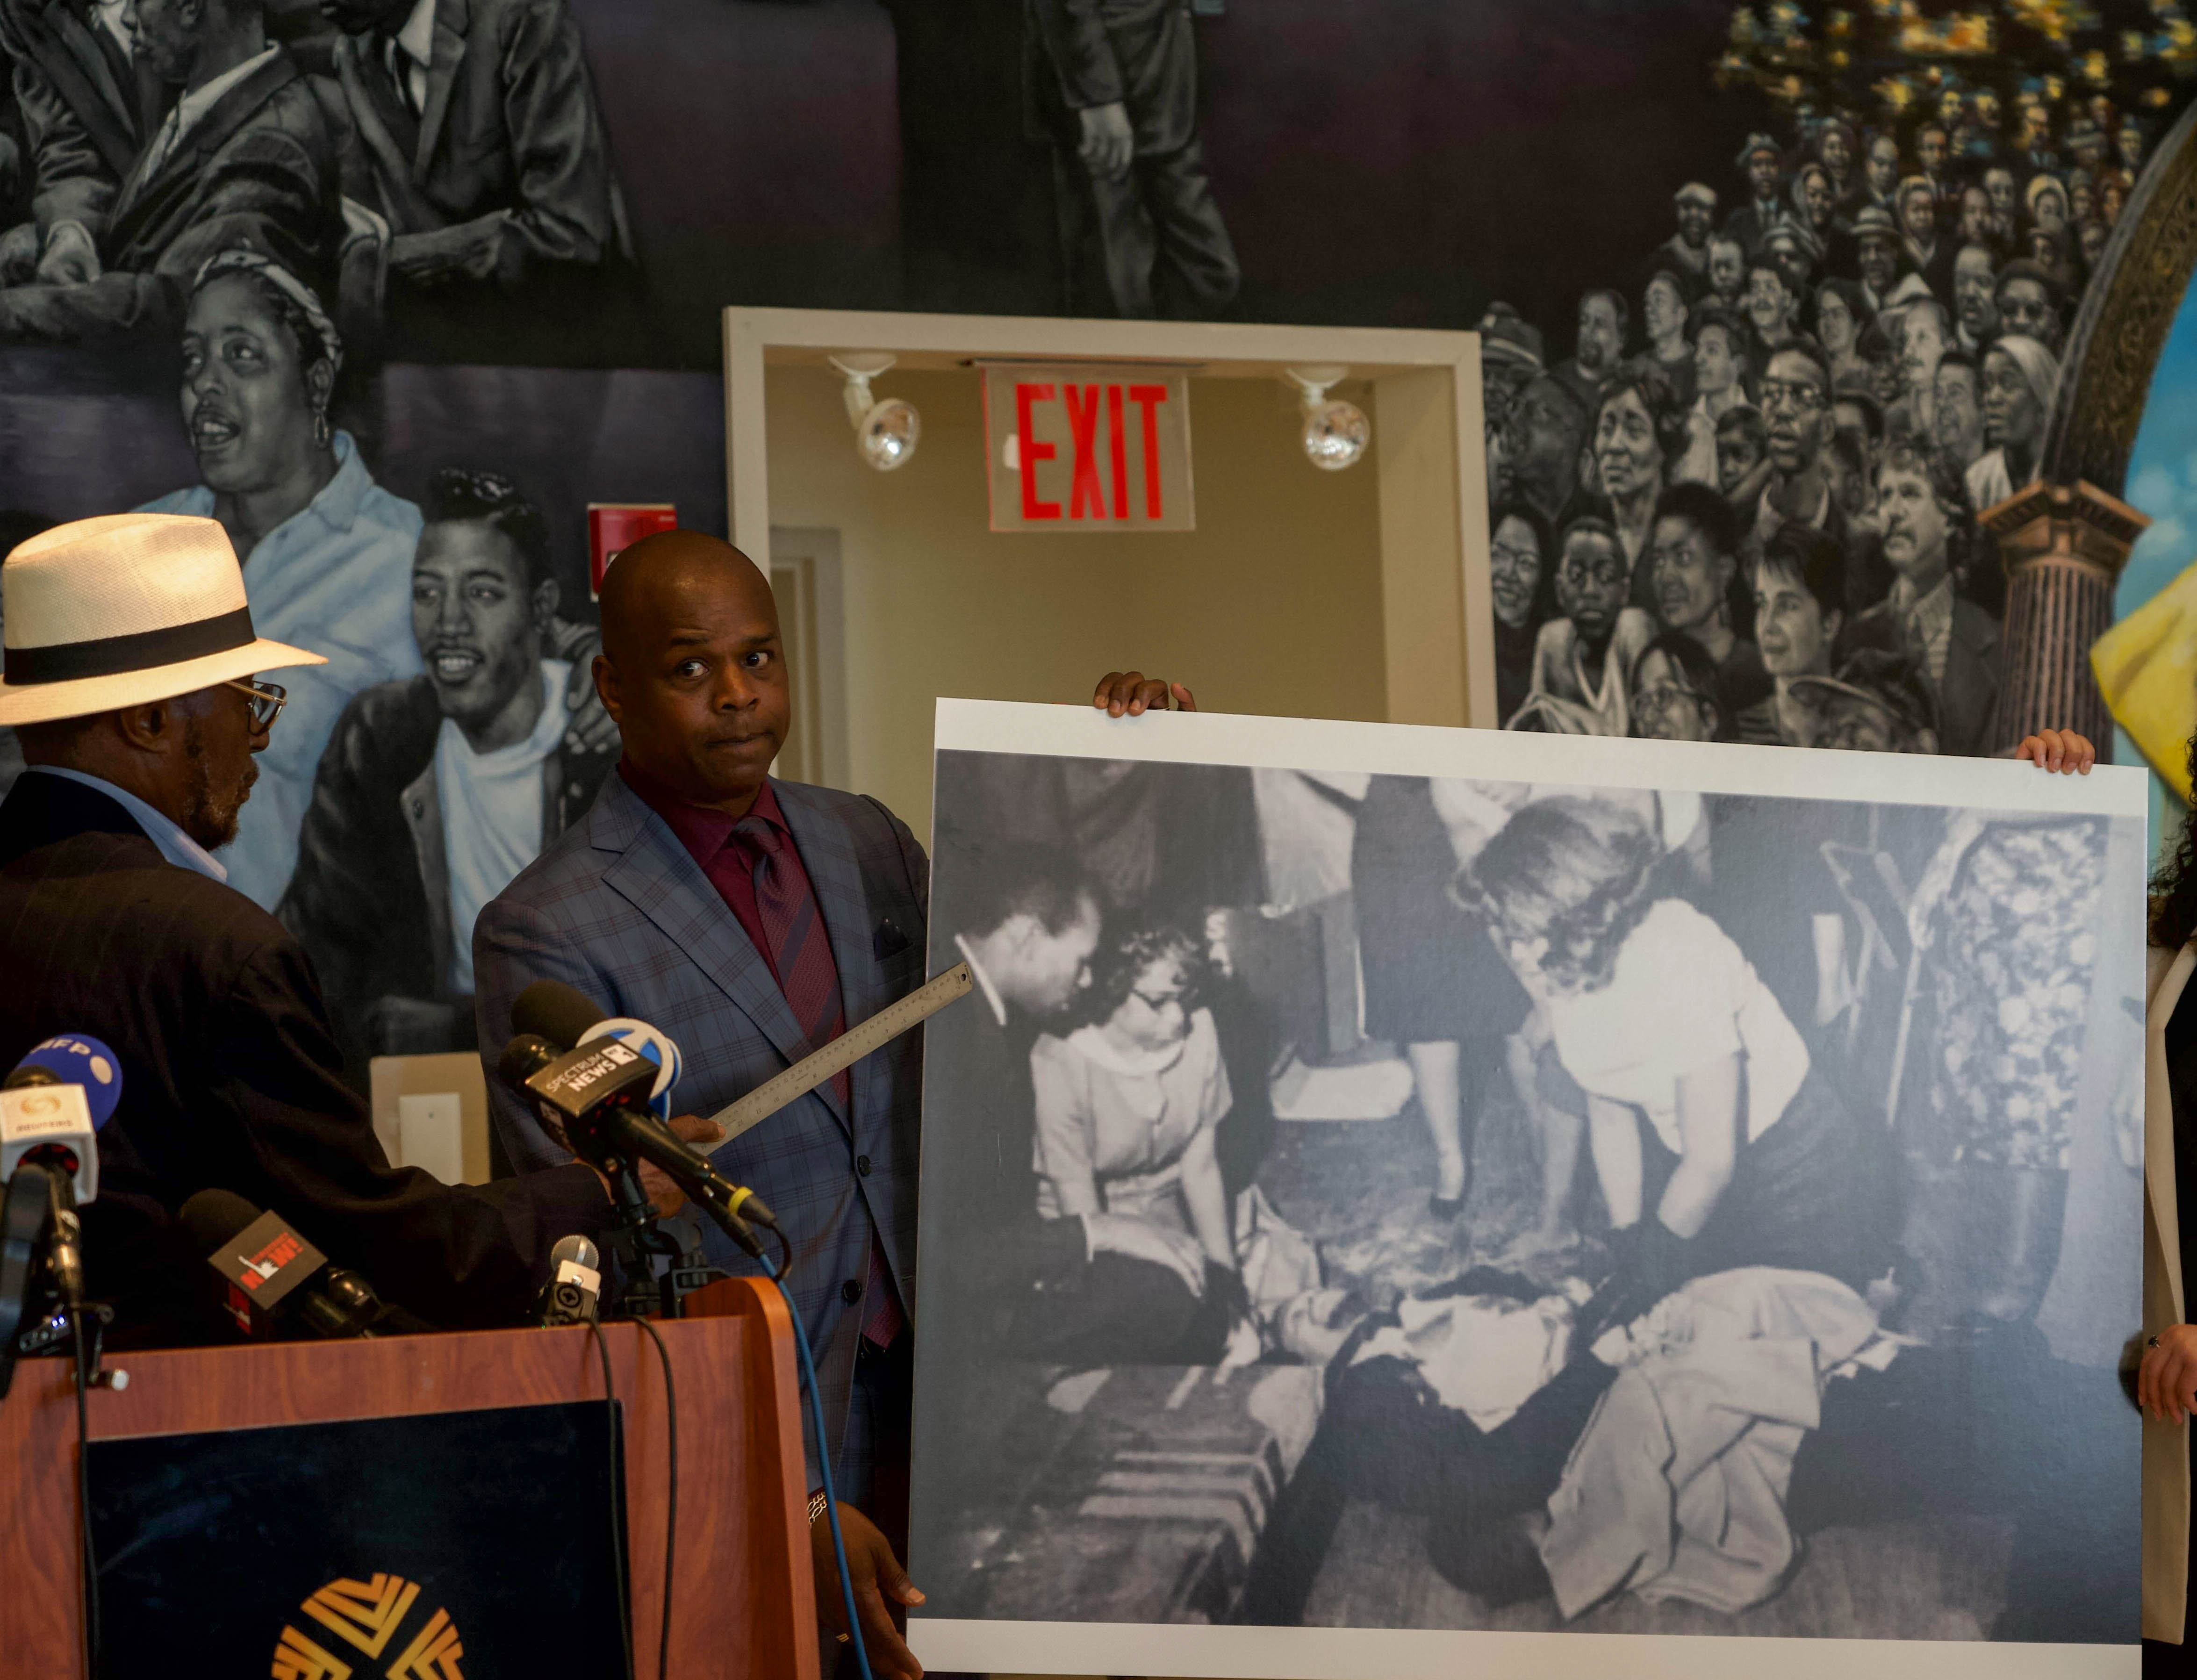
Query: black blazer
x,y
231,1079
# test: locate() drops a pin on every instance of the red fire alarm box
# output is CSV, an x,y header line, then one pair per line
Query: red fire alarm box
x,y
616,525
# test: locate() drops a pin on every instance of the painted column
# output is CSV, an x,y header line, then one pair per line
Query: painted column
x,y
2063,548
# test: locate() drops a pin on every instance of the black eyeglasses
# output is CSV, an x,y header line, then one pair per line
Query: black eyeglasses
x,y
267,699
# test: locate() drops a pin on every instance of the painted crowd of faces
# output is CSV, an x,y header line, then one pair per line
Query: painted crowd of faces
x,y
1855,333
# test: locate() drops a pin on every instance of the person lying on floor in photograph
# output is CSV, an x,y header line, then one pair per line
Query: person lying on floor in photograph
x,y
1554,1454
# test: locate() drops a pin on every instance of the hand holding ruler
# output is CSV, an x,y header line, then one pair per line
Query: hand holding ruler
x,y
843,1051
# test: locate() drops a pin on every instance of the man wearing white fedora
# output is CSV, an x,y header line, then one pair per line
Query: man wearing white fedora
x,y
130,678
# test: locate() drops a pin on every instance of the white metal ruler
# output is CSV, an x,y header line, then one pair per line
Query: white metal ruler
x,y
843,1051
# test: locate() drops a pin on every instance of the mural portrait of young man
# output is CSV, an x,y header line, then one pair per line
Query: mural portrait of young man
x,y
1773,304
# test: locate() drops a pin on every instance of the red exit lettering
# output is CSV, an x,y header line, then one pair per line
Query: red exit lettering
x,y
1087,497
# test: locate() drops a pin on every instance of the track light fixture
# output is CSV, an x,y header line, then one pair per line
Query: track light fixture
x,y
1336,432
887,432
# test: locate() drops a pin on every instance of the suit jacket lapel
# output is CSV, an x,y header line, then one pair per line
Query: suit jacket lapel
x,y
91,58
656,875
382,130
451,17
207,136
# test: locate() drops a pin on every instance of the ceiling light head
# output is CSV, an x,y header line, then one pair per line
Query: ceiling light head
x,y
1336,432
887,432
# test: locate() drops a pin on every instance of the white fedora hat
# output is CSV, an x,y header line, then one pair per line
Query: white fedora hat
x,y
123,608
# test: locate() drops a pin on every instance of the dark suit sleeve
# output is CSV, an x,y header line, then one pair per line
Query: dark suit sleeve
x,y
74,181
460,1255
567,209
1082,56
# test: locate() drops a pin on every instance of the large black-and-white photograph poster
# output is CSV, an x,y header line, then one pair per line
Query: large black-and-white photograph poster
x,y
1397,1198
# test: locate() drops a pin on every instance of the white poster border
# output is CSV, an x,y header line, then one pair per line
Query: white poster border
x,y
1332,747
1197,1651
1350,749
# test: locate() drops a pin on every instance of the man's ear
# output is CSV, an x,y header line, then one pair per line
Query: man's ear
x,y
151,728
606,687
544,601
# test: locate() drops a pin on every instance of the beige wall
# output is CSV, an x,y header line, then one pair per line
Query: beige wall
x,y
1272,605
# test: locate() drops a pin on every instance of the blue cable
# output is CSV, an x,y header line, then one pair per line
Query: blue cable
x,y
823,1463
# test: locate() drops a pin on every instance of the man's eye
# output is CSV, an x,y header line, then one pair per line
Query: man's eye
x,y
688,667
756,661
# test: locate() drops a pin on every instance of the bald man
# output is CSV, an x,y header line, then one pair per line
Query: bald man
x,y
753,920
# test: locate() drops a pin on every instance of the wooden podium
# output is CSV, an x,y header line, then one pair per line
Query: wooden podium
x,y
742,1602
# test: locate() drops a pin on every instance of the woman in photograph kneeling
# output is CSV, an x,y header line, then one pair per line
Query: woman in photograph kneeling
x,y
1746,1157
1128,1106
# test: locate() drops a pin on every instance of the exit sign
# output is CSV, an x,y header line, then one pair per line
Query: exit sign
x,y
1079,447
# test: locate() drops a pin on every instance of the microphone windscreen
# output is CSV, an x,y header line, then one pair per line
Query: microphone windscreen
x,y
524,1057
77,1060
213,1217
556,1011
578,1250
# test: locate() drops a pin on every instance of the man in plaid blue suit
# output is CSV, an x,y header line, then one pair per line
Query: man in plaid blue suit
x,y
679,900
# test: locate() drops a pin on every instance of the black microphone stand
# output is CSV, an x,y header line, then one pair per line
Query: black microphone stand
x,y
637,1239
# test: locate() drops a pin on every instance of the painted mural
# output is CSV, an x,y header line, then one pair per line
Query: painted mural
x,y
1773,301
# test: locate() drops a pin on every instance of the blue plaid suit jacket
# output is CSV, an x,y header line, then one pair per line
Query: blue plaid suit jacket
x,y
616,907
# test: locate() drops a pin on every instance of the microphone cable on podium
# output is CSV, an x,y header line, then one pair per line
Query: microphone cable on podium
x,y
670,1495
84,1377
616,1474
671,1489
823,1466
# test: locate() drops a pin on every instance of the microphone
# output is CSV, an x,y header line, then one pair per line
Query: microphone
x,y
567,1018
73,1059
560,1013
53,1103
276,1279
593,1101
576,1285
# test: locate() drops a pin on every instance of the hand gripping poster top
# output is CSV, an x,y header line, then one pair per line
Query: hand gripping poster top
x,y
1400,1200
1087,447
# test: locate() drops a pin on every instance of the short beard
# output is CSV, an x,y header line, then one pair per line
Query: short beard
x,y
209,815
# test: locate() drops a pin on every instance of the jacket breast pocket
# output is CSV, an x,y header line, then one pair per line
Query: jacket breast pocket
x,y
890,940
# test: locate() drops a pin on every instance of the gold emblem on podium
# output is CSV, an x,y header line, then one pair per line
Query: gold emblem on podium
x,y
366,1617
